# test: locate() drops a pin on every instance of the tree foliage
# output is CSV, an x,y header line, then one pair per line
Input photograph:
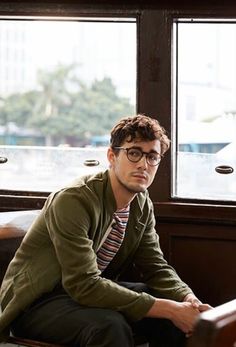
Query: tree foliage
x,y
66,110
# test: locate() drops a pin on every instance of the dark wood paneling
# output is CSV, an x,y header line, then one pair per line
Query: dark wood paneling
x,y
17,203
196,213
204,256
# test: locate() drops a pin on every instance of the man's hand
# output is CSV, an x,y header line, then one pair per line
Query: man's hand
x,y
184,317
182,314
196,303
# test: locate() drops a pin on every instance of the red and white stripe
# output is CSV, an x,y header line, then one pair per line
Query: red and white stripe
x,y
114,239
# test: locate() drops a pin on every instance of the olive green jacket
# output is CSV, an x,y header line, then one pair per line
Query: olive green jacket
x,y
61,245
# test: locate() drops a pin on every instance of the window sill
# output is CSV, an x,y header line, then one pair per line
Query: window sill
x,y
198,213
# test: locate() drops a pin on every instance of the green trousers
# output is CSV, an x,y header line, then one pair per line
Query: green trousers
x,y
57,318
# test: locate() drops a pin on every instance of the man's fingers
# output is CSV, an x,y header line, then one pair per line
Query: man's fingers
x,y
204,307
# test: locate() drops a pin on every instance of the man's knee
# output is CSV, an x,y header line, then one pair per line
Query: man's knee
x,y
114,322
113,329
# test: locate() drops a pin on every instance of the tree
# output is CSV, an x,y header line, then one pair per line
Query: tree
x,y
98,107
17,108
66,110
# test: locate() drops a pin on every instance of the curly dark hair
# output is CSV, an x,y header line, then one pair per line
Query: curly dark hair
x,y
139,127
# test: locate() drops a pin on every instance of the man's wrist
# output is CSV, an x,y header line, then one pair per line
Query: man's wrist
x,y
162,308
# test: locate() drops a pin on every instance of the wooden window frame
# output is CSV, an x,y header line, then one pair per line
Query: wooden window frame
x,y
154,94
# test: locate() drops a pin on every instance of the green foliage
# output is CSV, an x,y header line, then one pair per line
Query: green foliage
x,y
64,109
17,108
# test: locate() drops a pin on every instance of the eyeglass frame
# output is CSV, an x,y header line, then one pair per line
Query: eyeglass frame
x,y
142,152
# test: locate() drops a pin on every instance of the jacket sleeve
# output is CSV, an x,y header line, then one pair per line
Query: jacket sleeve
x,y
68,219
157,273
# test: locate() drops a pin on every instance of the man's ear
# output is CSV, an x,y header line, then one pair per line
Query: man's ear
x,y
110,156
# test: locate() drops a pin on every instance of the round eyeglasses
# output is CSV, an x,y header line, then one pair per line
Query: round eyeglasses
x,y
135,154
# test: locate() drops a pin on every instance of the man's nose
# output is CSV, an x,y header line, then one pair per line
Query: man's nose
x,y
143,161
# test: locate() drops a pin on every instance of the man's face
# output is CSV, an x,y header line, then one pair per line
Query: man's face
x,y
134,176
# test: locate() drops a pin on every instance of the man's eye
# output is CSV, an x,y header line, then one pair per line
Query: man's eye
x,y
134,153
153,157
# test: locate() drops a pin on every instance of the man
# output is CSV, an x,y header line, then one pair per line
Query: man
x,y
63,283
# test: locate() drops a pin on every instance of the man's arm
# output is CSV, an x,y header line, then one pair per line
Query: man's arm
x,y
184,306
182,314
159,276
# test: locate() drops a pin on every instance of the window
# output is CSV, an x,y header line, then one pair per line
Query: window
x,y
66,82
205,109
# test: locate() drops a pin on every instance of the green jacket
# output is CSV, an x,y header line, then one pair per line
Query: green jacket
x,y
61,245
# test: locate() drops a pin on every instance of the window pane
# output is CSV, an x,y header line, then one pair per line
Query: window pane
x,y
206,110
64,83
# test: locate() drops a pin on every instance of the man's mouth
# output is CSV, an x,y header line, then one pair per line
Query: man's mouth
x,y
140,176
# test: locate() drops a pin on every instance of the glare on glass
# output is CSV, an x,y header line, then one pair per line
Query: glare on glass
x,y
59,99
205,110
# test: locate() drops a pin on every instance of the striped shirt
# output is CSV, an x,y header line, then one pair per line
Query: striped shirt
x,y
114,239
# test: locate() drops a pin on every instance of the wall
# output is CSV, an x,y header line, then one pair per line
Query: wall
x,y
202,250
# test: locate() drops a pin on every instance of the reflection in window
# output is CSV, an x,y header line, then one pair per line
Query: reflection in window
x,y
60,97
205,54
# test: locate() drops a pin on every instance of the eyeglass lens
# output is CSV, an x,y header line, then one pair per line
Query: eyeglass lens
x,y
135,154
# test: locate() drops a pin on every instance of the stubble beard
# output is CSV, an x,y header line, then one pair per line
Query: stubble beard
x,y
131,189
